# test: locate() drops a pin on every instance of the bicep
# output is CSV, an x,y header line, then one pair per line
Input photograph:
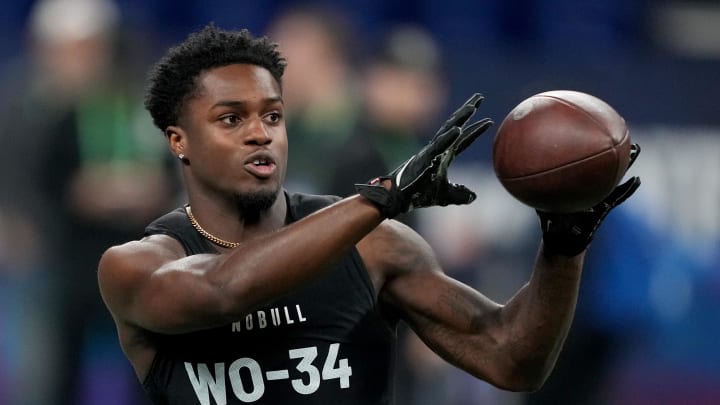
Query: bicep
x,y
151,287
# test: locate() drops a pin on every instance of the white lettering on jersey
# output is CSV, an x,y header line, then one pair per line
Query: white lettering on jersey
x,y
204,383
278,316
307,381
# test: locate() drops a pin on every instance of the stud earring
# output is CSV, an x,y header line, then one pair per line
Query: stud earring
x,y
183,159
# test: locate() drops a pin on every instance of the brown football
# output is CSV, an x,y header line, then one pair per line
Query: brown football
x,y
561,151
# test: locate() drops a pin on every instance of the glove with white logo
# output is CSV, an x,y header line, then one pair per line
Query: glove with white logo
x,y
569,234
422,180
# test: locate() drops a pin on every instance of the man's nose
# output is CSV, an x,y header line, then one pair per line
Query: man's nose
x,y
256,132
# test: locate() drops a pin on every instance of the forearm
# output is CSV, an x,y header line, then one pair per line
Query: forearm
x,y
272,265
541,313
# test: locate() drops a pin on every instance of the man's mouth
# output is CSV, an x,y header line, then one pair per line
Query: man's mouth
x,y
261,166
260,162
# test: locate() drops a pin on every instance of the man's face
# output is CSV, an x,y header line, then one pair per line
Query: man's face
x,y
236,139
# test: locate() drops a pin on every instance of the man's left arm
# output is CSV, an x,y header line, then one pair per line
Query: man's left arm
x,y
512,346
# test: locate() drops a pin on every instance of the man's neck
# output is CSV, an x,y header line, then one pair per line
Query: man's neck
x,y
227,222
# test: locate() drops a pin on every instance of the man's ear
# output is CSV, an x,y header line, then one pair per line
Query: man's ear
x,y
177,140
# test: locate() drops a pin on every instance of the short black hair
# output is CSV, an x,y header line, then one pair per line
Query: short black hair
x,y
173,79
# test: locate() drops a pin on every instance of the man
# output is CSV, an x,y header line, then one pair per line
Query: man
x,y
252,294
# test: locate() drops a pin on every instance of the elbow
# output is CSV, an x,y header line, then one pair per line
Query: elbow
x,y
527,377
526,386
527,367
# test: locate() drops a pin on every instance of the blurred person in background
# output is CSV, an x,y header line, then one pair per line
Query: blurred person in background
x,y
319,88
77,134
402,91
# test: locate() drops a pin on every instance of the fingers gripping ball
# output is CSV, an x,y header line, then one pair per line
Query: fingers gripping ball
x,y
561,151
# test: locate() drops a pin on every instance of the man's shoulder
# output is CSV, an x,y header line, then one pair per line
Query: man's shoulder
x,y
394,248
397,233
136,255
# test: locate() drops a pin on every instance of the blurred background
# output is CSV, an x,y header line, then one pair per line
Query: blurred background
x,y
82,168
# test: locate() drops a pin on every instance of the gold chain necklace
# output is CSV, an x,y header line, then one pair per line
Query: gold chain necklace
x,y
212,238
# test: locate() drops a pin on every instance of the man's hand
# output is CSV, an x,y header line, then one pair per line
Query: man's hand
x,y
570,234
422,180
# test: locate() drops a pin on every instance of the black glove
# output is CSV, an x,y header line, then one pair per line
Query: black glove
x,y
569,234
422,180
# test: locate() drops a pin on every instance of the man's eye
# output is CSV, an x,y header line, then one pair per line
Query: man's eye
x,y
274,117
230,119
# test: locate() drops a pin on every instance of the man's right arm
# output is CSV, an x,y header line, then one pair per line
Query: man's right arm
x,y
153,285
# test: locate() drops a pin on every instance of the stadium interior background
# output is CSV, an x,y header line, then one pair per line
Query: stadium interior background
x,y
647,329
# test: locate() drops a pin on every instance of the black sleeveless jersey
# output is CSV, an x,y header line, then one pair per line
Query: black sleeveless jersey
x,y
323,344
